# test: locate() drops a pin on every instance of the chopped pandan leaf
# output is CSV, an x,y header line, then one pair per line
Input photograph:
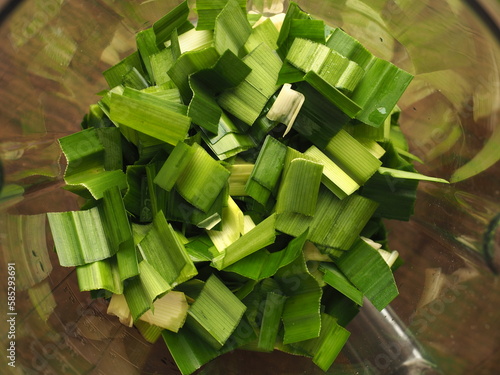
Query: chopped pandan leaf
x,y
379,90
267,170
119,308
174,166
156,100
307,28
299,189
215,313
146,45
231,29
95,118
336,223
195,175
248,99
132,196
93,185
232,226
134,79
227,72
259,237
367,270
203,109
79,237
384,171
265,32
307,55
141,291
169,311
188,63
253,295
101,274
114,75
271,320
340,72
208,10
286,107
285,40
319,119
190,351
334,278
301,313
263,264
157,196
333,94
176,19
195,39
334,177
229,141
343,309
325,349
289,74
240,174
161,62
119,232
178,209
349,47
352,157
382,85
86,173
111,140
162,249
334,69
200,249
151,119
202,179
399,205
151,333
373,147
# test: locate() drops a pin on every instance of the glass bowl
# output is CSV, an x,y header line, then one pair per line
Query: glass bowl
x,y
446,319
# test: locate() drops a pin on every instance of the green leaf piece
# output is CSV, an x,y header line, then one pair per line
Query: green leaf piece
x,y
325,349
335,278
202,179
248,99
208,10
141,291
216,312
102,274
176,19
299,190
301,313
271,319
114,75
162,249
153,120
79,237
231,29
367,270
334,177
263,264
259,237
352,157
267,170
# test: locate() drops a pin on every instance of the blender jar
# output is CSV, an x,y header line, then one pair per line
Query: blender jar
x,y
446,319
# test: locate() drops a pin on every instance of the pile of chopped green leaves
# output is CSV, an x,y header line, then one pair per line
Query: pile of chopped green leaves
x,y
235,178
